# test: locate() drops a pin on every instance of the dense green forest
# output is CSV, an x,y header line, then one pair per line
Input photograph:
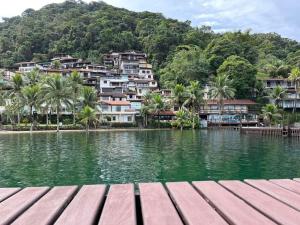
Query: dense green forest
x,y
179,52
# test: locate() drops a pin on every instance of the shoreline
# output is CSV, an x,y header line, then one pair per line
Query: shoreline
x,y
82,131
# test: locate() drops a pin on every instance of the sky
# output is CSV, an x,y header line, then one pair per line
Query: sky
x,y
281,16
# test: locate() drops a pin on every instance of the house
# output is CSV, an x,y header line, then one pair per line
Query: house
x,y
26,67
235,111
292,98
118,111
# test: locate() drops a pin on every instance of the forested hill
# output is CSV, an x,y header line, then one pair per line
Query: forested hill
x,y
178,51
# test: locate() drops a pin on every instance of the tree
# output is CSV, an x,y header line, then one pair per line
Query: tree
x,y
295,78
76,86
157,106
195,97
182,119
31,96
188,63
179,95
33,77
270,113
242,74
278,94
88,116
89,97
221,89
15,92
56,90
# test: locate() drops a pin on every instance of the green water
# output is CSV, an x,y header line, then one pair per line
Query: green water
x,y
144,156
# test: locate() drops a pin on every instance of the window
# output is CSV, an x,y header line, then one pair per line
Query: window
x,y
153,83
114,118
105,82
149,76
143,71
118,108
130,96
148,71
129,118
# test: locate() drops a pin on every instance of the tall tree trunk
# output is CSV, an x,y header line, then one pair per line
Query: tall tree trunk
x,y
47,118
18,118
31,119
74,120
295,99
57,118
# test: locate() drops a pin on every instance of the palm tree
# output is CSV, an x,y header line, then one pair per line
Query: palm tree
x,y
220,89
56,90
89,97
182,119
15,92
76,86
33,77
31,96
179,94
157,106
145,110
195,97
270,113
295,77
278,94
88,116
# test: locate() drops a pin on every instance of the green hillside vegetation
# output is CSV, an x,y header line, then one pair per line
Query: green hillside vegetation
x,y
179,52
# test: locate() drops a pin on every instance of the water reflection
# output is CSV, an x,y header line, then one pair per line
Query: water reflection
x,y
120,157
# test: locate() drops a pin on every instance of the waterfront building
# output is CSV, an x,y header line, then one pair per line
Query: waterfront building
x,y
292,97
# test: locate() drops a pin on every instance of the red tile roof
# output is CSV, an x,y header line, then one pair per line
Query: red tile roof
x,y
117,103
233,102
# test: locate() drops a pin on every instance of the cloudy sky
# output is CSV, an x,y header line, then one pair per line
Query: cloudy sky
x,y
281,16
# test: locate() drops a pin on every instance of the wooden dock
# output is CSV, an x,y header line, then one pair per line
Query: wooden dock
x,y
272,131
202,202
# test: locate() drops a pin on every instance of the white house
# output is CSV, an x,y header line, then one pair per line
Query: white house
x,y
118,111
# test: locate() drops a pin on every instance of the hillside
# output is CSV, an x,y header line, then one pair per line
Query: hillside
x,y
178,51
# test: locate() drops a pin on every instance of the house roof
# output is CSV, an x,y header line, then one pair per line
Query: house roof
x,y
233,102
116,103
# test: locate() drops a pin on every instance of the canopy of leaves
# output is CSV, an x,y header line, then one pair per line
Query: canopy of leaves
x,y
188,64
242,74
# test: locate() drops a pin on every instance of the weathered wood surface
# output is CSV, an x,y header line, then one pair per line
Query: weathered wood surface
x,y
176,203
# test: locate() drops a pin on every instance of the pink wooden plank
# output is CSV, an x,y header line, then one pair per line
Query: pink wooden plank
x,y
46,210
288,184
269,206
284,195
194,209
119,207
157,207
84,207
7,192
16,204
232,208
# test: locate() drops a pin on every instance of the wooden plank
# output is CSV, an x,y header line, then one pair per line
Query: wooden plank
x,y
193,208
12,207
84,207
48,208
119,207
284,195
288,184
232,208
157,207
7,192
278,211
